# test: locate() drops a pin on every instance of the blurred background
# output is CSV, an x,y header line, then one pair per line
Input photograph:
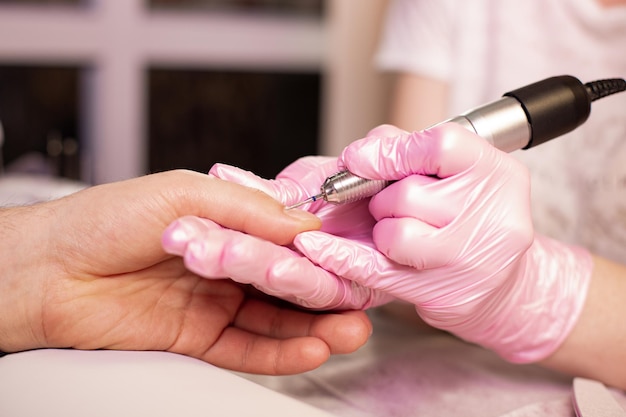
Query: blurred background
x,y
104,90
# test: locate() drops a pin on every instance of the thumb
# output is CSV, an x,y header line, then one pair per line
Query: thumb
x,y
392,154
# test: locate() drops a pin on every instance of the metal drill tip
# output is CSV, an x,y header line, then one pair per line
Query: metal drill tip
x,y
303,202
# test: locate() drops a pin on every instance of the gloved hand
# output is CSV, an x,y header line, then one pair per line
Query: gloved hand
x,y
454,237
214,252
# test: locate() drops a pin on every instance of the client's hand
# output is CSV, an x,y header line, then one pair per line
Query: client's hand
x,y
458,242
214,252
88,272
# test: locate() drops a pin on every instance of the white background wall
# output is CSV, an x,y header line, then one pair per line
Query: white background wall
x,y
116,39
356,95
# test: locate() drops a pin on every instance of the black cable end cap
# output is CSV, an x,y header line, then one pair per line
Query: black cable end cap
x,y
554,106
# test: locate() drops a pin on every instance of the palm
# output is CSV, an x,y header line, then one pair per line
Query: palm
x,y
143,298
162,307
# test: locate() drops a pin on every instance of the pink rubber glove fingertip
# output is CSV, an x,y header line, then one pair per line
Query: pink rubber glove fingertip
x,y
179,233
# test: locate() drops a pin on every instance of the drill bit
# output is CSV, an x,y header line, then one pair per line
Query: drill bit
x,y
308,200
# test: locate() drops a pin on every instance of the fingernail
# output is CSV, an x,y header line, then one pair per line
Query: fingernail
x,y
301,214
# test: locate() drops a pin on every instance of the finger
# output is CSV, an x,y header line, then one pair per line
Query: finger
x,y
296,182
243,351
232,205
432,201
343,332
308,174
276,270
352,219
266,339
351,260
182,231
249,179
414,243
411,242
324,290
207,327
404,246
386,130
440,151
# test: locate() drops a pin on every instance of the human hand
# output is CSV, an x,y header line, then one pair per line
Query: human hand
x,y
88,271
454,237
214,252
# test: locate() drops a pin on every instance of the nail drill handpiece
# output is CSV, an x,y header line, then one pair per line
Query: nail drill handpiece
x,y
521,119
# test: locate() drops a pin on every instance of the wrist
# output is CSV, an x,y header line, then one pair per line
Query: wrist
x,y
538,310
20,308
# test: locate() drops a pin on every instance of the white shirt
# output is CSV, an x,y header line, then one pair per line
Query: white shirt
x,y
484,48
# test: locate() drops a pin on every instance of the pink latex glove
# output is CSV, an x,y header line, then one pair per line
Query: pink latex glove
x,y
458,242
214,252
